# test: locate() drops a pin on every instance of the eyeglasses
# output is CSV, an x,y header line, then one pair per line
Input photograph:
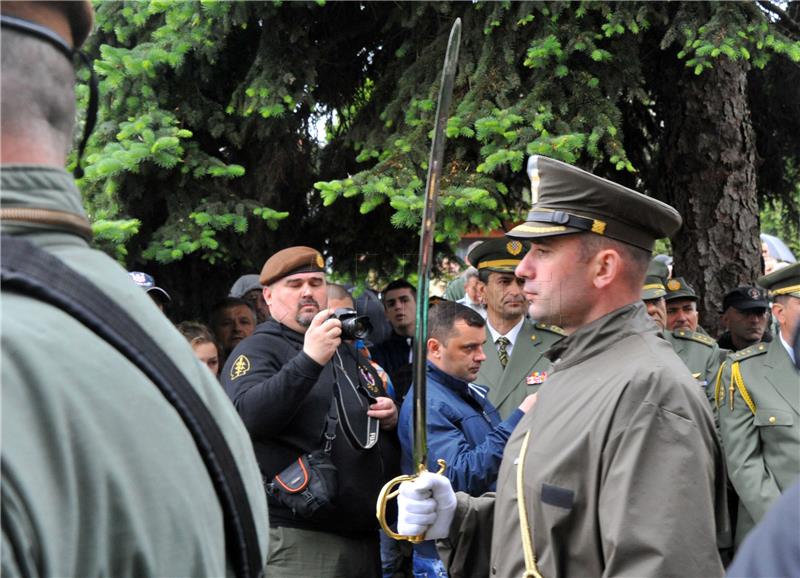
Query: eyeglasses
x,y
47,35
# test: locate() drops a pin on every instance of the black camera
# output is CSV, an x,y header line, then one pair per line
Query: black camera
x,y
354,326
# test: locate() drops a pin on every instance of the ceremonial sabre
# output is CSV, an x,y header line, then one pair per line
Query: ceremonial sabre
x,y
423,278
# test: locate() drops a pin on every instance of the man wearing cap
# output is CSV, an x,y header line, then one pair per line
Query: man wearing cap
x,y
681,303
617,470
758,401
100,475
701,354
515,364
744,316
653,291
282,380
249,288
159,296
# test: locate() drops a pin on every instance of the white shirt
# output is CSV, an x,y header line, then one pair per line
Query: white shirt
x,y
788,348
511,335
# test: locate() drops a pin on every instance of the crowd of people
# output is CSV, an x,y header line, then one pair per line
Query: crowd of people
x,y
580,421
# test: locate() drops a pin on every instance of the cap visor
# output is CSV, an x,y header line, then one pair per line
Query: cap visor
x,y
160,293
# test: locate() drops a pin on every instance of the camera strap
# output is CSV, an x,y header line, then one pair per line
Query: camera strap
x,y
362,431
331,420
37,274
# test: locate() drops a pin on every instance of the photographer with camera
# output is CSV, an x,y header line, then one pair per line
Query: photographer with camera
x,y
322,427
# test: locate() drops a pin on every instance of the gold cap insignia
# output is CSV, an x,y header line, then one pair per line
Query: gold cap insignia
x,y
240,367
673,285
320,261
514,247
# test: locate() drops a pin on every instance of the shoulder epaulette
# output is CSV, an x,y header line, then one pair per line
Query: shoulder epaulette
x,y
551,328
737,382
694,336
752,351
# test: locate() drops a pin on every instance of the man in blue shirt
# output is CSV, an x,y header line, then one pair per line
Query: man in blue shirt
x,y
464,428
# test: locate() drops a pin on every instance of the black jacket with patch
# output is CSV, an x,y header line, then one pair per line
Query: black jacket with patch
x,y
283,397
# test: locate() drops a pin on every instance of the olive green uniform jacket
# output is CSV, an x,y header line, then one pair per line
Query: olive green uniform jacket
x,y
527,367
700,354
100,477
622,475
761,434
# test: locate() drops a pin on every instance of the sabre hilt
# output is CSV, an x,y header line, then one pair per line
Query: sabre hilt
x,y
388,492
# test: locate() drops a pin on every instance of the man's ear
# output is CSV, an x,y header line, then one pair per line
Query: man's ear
x,y
434,348
481,288
267,293
606,266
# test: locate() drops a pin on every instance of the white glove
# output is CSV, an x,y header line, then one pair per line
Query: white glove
x,y
426,506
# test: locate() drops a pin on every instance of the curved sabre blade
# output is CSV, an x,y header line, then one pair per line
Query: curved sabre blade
x,y
426,245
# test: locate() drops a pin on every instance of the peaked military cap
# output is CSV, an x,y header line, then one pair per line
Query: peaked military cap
x,y
678,288
784,281
501,255
744,298
656,276
566,199
291,261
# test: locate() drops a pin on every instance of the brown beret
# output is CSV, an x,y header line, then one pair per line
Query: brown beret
x,y
71,20
290,261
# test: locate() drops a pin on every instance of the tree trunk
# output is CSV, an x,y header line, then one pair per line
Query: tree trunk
x,y
708,173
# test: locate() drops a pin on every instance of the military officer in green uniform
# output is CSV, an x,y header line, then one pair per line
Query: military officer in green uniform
x,y
701,354
758,399
515,364
617,470
100,475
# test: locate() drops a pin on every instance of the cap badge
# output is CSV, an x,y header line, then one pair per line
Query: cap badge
x,y
754,293
536,378
514,248
240,367
320,261
673,285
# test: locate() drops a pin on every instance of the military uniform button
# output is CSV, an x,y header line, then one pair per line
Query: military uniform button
x,y
494,569
772,419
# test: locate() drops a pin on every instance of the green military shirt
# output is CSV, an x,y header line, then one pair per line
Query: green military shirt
x,y
700,354
758,402
527,368
100,477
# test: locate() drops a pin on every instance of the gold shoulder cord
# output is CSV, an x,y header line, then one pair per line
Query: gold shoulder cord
x,y
736,377
719,393
531,571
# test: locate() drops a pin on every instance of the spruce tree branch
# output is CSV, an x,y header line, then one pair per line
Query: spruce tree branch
x,y
786,20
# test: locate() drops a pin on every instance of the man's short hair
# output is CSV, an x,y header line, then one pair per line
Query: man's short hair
x,y
227,303
398,284
636,259
470,273
443,316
